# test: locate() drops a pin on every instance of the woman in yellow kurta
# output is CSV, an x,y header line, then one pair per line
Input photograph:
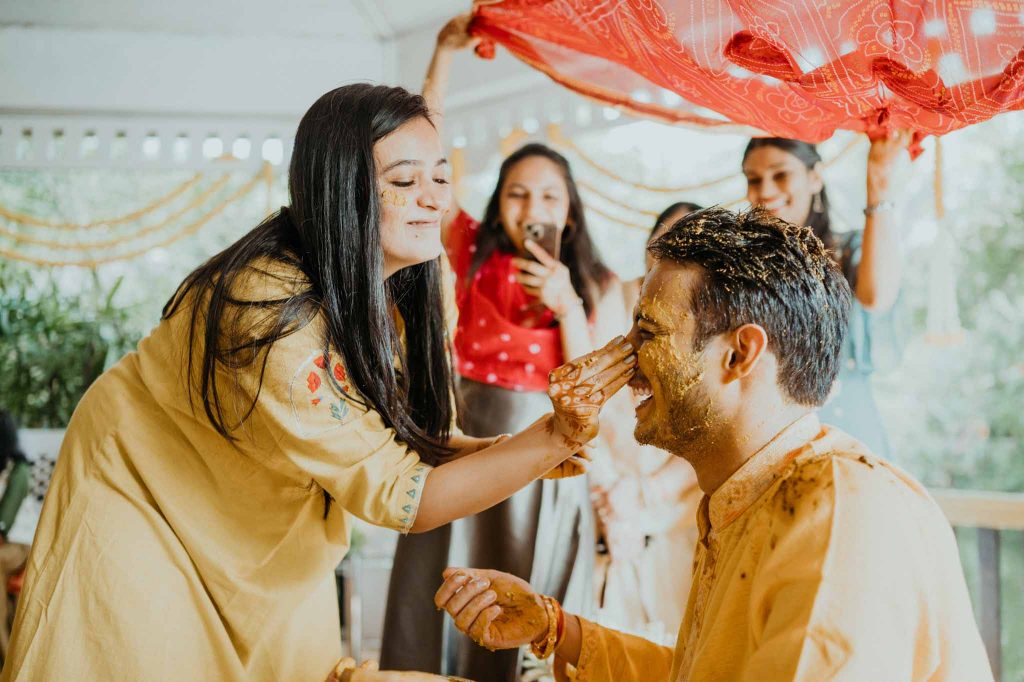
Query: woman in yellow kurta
x,y
201,500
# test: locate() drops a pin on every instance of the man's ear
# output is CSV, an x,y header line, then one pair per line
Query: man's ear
x,y
745,347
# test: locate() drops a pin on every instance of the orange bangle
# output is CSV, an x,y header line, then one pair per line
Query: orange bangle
x,y
560,628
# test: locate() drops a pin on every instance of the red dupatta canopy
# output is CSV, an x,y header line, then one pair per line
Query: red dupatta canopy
x,y
792,68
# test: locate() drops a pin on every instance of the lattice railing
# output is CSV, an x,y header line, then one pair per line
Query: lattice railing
x,y
84,141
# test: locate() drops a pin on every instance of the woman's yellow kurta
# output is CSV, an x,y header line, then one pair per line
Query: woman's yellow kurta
x,y
166,553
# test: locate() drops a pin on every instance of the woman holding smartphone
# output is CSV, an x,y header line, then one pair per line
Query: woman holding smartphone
x,y
522,310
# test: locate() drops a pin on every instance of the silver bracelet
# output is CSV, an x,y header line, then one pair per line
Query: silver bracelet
x,y
884,205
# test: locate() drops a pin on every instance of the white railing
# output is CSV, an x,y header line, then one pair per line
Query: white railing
x,y
139,142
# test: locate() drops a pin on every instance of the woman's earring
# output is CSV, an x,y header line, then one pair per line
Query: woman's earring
x,y
818,206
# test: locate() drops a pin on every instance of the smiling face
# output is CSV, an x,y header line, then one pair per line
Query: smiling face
x,y
676,412
781,183
534,191
412,178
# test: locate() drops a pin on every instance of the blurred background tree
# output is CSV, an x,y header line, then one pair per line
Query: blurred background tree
x,y
53,344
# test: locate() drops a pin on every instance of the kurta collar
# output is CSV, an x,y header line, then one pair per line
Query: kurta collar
x,y
756,475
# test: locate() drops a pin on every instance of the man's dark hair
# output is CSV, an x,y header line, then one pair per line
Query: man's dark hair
x,y
678,206
762,270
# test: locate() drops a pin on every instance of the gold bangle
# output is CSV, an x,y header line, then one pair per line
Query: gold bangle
x,y
550,640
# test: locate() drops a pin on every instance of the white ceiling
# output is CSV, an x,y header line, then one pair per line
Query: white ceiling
x,y
197,63
342,18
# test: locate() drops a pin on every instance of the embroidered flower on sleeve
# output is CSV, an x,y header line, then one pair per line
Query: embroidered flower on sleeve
x,y
326,401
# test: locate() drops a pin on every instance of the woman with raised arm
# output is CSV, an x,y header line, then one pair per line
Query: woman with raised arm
x,y
785,177
205,488
522,311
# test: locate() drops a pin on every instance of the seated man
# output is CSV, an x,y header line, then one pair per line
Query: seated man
x,y
816,560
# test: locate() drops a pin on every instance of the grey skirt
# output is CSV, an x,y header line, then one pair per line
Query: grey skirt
x,y
543,534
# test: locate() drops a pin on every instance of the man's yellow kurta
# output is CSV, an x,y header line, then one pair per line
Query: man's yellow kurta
x,y
166,553
816,562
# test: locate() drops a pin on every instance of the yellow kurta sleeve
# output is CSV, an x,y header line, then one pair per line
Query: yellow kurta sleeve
x,y
610,656
858,580
321,427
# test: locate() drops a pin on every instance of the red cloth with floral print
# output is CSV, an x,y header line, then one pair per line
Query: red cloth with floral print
x,y
491,344
797,69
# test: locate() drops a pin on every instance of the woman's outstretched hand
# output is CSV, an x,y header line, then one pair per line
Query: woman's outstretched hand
x,y
496,610
579,389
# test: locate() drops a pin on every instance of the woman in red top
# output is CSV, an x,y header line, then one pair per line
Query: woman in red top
x,y
521,312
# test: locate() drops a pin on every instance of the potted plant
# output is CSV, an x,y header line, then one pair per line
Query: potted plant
x,y
53,345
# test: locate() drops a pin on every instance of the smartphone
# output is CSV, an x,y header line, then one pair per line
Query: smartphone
x,y
546,235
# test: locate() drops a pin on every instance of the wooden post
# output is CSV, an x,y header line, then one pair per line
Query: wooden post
x,y
991,599
352,575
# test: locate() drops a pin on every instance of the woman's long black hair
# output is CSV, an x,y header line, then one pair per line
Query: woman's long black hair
x,y
808,155
330,233
588,272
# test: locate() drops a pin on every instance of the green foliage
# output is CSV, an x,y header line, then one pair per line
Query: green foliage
x,y
954,411
53,344
957,420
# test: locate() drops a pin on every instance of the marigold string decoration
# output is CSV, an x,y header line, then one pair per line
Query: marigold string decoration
x,y
264,176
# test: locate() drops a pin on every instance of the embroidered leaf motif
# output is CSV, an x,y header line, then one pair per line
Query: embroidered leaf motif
x,y
407,509
339,372
313,382
412,493
321,362
339,410
415,479
404,520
